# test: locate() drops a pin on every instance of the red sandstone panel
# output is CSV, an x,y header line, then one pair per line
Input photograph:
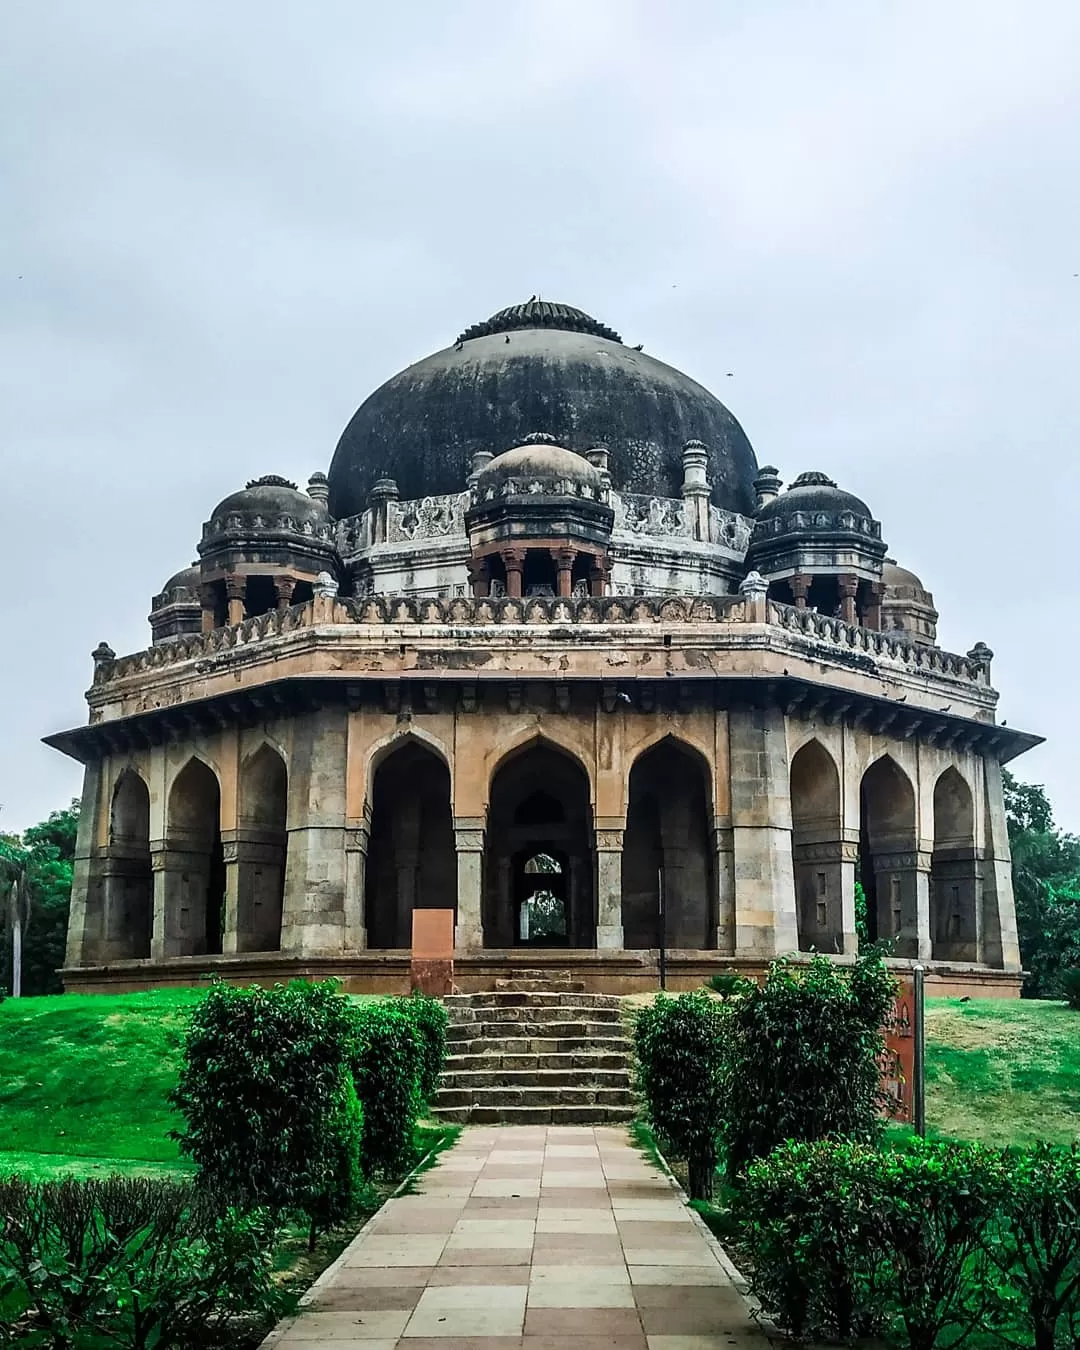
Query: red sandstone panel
x,y
432,968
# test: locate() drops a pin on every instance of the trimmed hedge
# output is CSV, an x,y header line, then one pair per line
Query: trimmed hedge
x,y
129,1263
431,1021
938,1240
387,1057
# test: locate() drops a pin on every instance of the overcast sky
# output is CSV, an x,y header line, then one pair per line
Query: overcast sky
x,y
223,225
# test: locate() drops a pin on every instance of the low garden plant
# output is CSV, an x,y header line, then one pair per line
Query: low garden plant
x,y
431,1020
388,1064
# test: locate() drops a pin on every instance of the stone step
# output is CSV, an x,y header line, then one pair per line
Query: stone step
x,y
533,1012
524,998
579,1095
583,1058
543,984
474,1044
531,1077
534,1115
547,1030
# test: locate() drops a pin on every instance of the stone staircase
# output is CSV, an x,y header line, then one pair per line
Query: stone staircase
x,y
536,1050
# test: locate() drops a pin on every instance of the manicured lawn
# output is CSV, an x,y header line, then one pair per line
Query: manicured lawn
x,y
84,1080
1003,1071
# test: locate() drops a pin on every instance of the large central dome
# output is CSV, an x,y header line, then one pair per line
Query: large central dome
x,y
541,367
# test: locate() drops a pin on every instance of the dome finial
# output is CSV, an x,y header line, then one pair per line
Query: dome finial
x,y
537,313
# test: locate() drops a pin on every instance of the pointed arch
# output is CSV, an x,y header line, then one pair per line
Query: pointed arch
x,y
411,860
817,851
954,872
194,863
888,857
262,842
532,739
666,849
392,742
129,881
539,803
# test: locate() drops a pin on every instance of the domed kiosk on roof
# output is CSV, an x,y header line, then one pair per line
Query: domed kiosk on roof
x,y
544,662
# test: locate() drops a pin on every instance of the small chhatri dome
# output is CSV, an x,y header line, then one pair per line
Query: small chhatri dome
x,y
536,313
814,494
542,458
273,501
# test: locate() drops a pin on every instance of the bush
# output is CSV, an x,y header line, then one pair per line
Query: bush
x,y
131,1263
387,1064
264,1091
431,1020
729,984
800,1056
678,1045
1070,988
1035,1244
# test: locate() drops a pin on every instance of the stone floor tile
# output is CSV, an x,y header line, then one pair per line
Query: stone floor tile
x,y
321,1328
486,1256
410,1249
506,1208
679,1275
624,1323
575,1221
633,1341
682,1255
492,1233
647,1232
664,1211
468,1310
574,1197
750,1340
577,1272
723,1319
566,1248
290,1341
507,1186
580,1294
589,1151
689,1296
400,1225
476,1274
336,1297
460,1343
591,1180
373,1277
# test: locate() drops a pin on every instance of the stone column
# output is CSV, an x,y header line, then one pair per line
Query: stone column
x,y
208,601
313,923
357,840
1000,943
283,590
871,616
599,575
825,893
563,559
231,849
181,871
800,588
723,880
902,883
86,915
609,925
848,586
469,843
695,487
514,562
235,591
479,577
765,922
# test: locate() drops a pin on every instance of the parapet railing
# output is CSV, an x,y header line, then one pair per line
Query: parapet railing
x,y
544,611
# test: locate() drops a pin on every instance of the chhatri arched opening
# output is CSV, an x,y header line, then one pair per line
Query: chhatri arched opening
x,y
538,865
954,872
666,853
817,849
411,860
261,849
129,882
195,864
888,861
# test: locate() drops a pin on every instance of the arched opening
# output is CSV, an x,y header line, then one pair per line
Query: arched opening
x,y
667,861
538,866
817,850
129,882
411,859
954,872
195,864
888,860
261,848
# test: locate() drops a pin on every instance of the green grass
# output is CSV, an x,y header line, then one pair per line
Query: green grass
x,y
84,1080
1003,1071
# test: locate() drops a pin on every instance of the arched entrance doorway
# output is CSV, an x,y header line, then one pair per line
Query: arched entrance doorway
x,y
129,882
667,845
538,867
817,849
411,859
888,857
954,872
261,847
194,864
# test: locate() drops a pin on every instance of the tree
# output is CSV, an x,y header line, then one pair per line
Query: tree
x,y
43,858
1046,885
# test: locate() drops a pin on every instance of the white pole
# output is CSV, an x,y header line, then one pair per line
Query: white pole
x,y
16,958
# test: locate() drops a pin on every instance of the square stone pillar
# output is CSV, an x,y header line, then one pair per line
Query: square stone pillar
x,y
469,843
825,895
357,840
313,923
765,922
902,882
181,876
723,880
609,925
86,919
999,940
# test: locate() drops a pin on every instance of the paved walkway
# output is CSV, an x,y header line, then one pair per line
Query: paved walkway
x,y
530,1238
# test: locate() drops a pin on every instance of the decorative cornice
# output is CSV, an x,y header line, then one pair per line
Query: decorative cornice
x,y
540,314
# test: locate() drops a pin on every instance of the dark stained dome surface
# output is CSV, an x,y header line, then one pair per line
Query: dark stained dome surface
x,y
534,367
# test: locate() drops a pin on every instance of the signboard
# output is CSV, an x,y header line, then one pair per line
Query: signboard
x,y
433,951
897,1062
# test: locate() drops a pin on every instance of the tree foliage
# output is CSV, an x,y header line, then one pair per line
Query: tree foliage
x,y
44,858
1046,884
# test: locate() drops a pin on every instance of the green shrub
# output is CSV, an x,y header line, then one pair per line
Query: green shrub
x,y
1070,988
431,1020
806,1215
729,984
387,1064
1035,1243
800,1056
264,1092
129,1263
678,1046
